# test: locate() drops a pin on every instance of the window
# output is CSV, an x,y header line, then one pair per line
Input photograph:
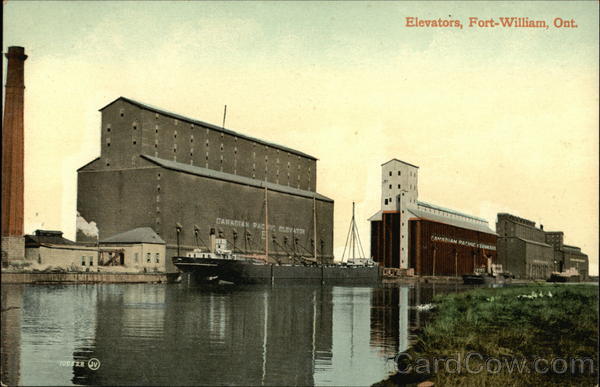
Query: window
x,y
399,173
399,186
390,173
390,186
148,257
91,260
136,257
157,257
385,201
82,261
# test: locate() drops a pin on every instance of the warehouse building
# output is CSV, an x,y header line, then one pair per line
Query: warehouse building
x,y
532,253
431,240
140,249
48,248
185,178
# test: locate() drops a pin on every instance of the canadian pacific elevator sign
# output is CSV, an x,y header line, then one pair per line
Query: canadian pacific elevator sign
x,y
260,226
462,242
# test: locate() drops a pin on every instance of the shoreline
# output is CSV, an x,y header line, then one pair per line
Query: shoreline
x,y
85,278
514,329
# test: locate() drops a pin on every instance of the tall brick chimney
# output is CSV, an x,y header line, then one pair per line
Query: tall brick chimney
x,y
12,156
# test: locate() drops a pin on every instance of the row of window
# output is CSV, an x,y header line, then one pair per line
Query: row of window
x,y
90,260
400,173
410,186
254,144
136,257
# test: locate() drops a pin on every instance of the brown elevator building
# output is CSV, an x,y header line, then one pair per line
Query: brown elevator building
x,y
432,240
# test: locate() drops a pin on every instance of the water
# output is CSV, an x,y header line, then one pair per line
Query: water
x,y
180,334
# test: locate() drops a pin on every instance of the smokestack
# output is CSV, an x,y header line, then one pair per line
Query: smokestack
x,y
12,144
12,155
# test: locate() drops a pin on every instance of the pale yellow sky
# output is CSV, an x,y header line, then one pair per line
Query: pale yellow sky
x,y
499,120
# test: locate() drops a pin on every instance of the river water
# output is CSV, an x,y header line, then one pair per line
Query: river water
x,y
186,334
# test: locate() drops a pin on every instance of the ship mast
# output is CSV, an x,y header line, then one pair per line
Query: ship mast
x,y
353,240
266,226
315,228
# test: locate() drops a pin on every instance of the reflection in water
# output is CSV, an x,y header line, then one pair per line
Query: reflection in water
x,y
11,334
182,334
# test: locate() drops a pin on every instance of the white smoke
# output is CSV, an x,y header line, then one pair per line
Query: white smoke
x,y
88,229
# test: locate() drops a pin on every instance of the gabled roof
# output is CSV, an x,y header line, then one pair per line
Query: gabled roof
x,y
533,242
137,235
376,217
42,237
413,211
403,162
91,162
210,173
572,248
451,221
440,208
151,108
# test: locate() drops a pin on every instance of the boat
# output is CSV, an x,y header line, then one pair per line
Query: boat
x,y
221,263
493,274
569,275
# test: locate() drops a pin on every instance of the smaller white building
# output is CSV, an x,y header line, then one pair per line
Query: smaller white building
x,y
140,249
47,249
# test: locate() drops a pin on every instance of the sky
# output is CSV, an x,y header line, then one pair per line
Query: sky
x,y
497,119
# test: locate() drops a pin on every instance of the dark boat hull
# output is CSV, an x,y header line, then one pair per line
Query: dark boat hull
x,y
478,279
247,271
563,278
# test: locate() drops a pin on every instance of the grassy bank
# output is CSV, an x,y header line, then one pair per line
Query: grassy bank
x,y
542,334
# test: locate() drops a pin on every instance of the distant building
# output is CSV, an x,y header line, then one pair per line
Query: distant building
x,y
46,248
532,253
140,249
432,240
566,256
183,178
